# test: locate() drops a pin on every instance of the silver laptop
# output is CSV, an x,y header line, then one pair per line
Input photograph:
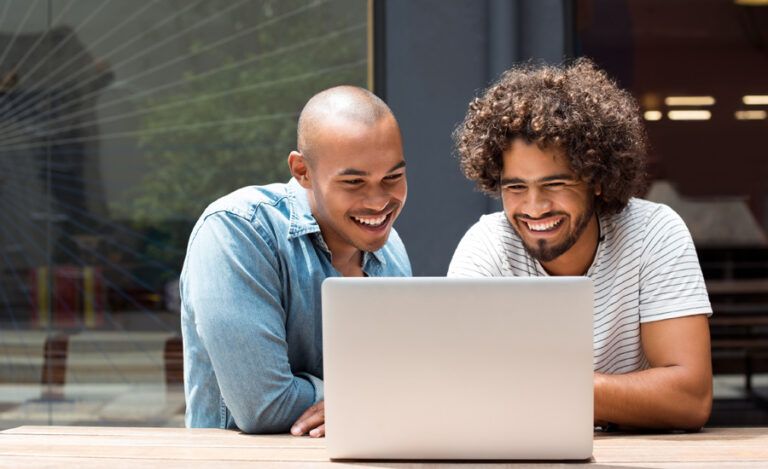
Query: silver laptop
x,y
446,368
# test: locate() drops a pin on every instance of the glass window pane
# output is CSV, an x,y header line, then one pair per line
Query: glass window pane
x,y
698,71
120,122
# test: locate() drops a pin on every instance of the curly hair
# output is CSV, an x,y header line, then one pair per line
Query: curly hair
x,y
574,108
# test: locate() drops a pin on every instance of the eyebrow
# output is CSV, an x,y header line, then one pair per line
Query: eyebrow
x,y
554,177
357,172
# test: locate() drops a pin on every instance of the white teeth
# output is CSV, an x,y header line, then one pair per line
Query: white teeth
x,y
542,226
371,221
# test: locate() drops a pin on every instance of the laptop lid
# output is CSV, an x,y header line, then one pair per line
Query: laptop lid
x,y
448,368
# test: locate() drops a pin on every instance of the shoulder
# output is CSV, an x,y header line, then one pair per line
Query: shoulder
x,y
645,219
659,231
254,208
649,210
487,248
250,202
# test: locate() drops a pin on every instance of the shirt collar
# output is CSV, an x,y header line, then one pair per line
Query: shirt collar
x,y
303,222
378,255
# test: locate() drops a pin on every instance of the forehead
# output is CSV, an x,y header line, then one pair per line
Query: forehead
x,y
343,145
527,161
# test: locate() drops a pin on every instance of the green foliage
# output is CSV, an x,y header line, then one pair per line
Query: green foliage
x,y
232,121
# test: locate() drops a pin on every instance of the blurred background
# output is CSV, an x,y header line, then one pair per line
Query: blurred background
x,y
121,120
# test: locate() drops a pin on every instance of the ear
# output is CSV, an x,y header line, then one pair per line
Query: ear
x,y
299,167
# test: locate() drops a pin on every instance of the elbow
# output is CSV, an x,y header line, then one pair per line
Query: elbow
x,y
264,420
274,409
700,414
697,412
276,415
262,423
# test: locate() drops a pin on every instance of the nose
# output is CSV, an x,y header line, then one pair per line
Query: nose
x,y
536,203
376,199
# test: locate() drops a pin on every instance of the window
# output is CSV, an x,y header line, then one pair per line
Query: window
x,y
120,122
697,69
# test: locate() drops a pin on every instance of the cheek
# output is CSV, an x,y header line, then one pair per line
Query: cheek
x,y
510,204
509,209
332,203
340,205
575,202
401,192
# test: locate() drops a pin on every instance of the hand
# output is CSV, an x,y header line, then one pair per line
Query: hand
x,y
312,421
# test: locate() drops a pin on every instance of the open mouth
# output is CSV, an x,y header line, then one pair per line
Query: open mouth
x,y
543,226
373,223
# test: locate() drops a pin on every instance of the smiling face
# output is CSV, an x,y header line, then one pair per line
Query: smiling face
x,y
549,207
355,181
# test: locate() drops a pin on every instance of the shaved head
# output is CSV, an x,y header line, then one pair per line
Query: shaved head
x,y
350,162
335,107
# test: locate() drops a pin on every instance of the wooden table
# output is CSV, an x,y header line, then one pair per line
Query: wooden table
x,y
118,447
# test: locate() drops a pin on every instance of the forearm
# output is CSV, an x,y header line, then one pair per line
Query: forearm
x,y
663,397
236,344
269,409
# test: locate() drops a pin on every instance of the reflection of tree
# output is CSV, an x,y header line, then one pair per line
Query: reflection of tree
x,y
233,124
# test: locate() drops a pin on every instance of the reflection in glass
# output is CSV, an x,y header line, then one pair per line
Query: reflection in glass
x,y
698,71
120,122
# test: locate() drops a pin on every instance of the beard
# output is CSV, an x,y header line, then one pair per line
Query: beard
x,y
544,251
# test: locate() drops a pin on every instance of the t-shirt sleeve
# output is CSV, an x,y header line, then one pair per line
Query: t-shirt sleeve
x,y
478,253
671,282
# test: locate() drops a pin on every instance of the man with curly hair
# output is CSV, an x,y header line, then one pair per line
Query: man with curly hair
x,y
565,150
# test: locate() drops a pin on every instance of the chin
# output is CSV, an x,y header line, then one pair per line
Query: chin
x,y
372,245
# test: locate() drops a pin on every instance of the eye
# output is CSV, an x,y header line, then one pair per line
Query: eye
x,y
555,185
514,187
393,177
352,182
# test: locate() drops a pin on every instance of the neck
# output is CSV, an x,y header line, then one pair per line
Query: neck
x,y
345,258
577,260
348,261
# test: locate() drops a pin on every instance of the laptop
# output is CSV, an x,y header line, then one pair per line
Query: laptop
x,y
448,368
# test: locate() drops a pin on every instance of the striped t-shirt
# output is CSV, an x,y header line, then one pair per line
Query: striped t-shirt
x,y
645,269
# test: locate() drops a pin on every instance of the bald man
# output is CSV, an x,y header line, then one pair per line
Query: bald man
x,y
256,259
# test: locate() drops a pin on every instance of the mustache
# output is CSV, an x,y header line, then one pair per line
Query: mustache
x,y
525,217
391,206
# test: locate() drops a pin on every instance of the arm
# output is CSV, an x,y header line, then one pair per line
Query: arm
x,y
233,290
676,392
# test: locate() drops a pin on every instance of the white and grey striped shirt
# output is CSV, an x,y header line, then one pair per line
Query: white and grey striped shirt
x,y
645,269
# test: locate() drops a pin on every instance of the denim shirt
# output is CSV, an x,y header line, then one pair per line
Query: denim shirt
x,y
250,315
